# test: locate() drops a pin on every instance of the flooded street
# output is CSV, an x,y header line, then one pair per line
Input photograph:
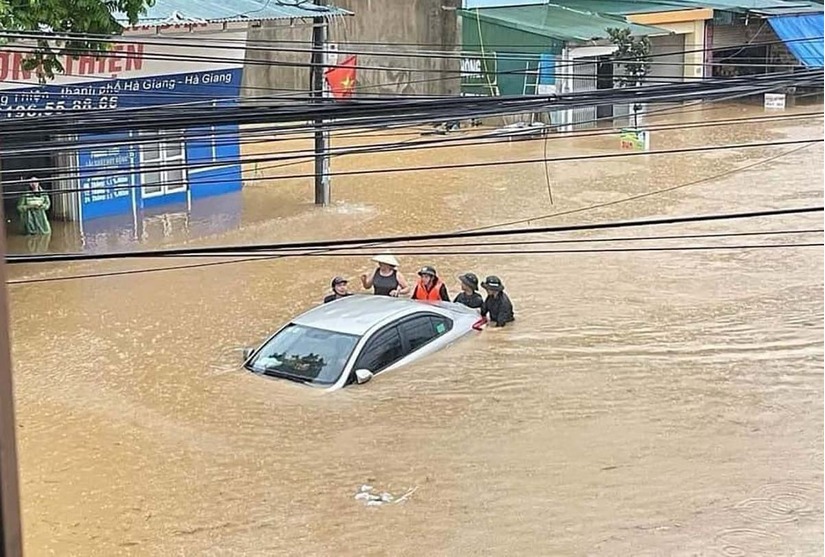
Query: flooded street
x,y
644,403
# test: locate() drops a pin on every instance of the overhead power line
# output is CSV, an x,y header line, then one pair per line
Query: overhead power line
x,y
361,113
270,136
488,252
299,156
500,225
221,44
258,248
448,166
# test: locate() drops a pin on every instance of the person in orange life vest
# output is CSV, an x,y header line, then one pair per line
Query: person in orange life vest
x,y
430,287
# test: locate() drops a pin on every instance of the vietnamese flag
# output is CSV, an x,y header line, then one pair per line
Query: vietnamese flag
x,y
341,78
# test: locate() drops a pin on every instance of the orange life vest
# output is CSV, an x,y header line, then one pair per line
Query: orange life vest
x,y
421,293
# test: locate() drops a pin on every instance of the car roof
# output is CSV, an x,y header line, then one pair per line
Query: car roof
x,y
357,314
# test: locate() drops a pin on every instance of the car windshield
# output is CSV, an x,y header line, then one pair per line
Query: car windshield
x,y
305,354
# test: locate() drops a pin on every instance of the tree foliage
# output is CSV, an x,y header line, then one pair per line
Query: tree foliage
x,y
633,55
60,26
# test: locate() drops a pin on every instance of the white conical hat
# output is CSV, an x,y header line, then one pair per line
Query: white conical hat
x,y
387,259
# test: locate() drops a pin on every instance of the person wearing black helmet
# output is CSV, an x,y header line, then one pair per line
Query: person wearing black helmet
x,y
469,295
497,304
429,286
339,289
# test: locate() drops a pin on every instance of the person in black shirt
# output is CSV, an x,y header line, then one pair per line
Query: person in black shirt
x,y
386,280
497,304
469,295
339,289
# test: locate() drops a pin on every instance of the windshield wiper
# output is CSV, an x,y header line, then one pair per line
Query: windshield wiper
x,y
285,375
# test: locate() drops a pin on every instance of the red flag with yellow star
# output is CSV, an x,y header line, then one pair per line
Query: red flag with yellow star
x,y
341,78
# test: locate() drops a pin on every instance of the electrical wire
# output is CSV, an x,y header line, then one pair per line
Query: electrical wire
x,y
425,168
224,137
387,68
110,274
326,244
442,253
609,239
300,155
477,229
370,113
221,44
470,109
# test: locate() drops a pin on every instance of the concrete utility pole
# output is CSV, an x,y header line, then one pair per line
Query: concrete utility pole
x,y
319,39
11,541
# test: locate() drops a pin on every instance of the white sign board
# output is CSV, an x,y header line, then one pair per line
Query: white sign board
x,y
775,100
133,57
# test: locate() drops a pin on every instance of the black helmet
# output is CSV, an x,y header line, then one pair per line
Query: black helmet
x,y
470,280
427,270
339,280
493,283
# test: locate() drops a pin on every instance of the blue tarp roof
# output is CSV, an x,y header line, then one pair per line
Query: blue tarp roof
x,y
802,34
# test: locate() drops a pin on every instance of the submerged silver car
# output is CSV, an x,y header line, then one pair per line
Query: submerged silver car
x,y
353,338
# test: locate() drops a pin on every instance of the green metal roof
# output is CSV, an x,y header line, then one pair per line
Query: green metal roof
x,y
183,12
624,7
811,7
557,22
753,6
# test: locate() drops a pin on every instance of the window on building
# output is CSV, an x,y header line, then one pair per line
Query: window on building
x,y
165,161
206,142
213,129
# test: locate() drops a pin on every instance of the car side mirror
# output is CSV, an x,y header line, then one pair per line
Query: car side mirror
x,y
362,376
247,352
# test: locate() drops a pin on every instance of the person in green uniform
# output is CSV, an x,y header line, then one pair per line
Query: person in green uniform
x,y
32,208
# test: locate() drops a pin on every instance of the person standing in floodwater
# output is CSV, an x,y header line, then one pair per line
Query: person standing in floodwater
x,y
32,208
339,290
469,295
386,280
497,304
429,286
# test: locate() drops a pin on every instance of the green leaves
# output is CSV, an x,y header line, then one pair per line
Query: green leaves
x,y
58,18
634,55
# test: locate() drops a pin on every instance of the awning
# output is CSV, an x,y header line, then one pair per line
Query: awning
x,y
802,34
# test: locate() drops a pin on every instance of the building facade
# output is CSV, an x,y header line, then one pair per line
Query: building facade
x,y
172,58
126,173
549,49
381,32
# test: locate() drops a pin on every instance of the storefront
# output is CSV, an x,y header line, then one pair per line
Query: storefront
x,y
544,49
123,174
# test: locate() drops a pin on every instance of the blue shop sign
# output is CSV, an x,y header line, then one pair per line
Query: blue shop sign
x,y
47,100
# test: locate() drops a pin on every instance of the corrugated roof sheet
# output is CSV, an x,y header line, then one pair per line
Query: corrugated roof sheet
x,y
802,35
183,12
623,7
807,9
753,6
558,22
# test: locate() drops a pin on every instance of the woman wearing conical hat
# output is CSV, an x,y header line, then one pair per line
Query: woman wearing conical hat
x,y
386,280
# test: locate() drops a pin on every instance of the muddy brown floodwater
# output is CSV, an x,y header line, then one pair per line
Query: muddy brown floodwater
x,y
656,403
